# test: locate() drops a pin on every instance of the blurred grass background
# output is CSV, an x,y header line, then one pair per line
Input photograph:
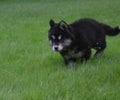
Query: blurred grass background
x,y
30,70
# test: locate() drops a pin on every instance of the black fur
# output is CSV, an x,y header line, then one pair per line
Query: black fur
x,y
84,35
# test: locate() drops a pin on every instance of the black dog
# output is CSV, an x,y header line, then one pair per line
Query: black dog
x,y
77,39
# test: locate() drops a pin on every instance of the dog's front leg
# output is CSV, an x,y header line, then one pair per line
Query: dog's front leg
x,y
70,62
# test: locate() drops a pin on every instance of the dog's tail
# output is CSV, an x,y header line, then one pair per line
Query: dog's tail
x,y
111,31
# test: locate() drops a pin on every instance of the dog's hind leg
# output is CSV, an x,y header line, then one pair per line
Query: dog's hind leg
x,y
100,50
86,55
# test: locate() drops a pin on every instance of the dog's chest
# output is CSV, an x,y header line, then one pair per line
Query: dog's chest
x,y
73,54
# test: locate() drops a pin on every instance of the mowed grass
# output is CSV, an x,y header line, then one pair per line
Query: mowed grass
x,y
30,70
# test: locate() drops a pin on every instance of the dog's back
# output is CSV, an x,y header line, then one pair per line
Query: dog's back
x,y
88,25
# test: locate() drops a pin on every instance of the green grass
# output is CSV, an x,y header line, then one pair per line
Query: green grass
x,y
30,70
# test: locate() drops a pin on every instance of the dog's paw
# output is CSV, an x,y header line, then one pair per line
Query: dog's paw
x,y
98,54
71,64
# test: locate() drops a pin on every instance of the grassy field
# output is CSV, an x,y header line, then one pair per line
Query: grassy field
x,y
30,70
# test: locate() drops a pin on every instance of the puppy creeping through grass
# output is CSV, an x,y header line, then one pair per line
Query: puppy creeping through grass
x,y
75,41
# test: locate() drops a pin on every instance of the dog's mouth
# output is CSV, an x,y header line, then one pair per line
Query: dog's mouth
x,y
57,47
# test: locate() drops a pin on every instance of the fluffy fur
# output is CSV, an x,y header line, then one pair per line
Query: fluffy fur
x,y
76,40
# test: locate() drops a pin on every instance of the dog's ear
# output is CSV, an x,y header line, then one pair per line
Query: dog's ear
x,y
63,25
51,22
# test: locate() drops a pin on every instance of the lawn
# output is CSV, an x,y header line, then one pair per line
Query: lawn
x,y
30,70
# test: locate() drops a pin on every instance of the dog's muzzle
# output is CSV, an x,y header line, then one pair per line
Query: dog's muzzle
x,y
57,47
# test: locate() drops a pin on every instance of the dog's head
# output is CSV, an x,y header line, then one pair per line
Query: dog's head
x,y
59,35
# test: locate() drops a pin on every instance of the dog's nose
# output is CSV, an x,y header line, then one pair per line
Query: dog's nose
x,y
56,48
